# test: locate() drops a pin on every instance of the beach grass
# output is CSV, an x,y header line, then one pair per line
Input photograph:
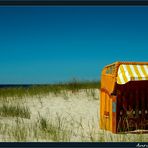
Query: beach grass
x,y
58,128
7,110
33,90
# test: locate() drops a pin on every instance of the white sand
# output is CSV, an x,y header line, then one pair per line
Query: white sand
x,y
78,110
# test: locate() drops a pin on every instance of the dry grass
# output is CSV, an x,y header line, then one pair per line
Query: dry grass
x,y
61,113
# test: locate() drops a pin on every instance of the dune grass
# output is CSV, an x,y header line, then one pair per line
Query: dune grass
x,y
33,90
58,129
55,130
7,110
47,130
44,129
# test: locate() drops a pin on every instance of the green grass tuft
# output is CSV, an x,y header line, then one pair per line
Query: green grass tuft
x,y
14,111
20,92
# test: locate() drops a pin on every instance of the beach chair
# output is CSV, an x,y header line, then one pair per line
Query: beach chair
x,y
124,97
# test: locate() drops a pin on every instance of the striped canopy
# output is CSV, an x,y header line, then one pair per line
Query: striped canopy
x,y
132,73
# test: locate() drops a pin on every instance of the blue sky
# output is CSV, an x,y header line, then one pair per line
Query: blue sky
x,y
56,44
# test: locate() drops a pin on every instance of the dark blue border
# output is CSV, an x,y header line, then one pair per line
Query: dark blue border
x,y
73,144
75,2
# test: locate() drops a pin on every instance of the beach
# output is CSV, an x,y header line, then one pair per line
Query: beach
x,y
70,116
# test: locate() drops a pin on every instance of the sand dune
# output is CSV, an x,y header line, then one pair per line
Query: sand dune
x,y
68,116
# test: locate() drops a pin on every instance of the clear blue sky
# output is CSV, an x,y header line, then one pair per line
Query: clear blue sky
x,y
54,44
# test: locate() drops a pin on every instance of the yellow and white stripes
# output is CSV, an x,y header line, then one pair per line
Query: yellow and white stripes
x,y
132,73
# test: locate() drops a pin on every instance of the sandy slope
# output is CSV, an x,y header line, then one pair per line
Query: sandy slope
x,y
79,112
76,108
81,108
